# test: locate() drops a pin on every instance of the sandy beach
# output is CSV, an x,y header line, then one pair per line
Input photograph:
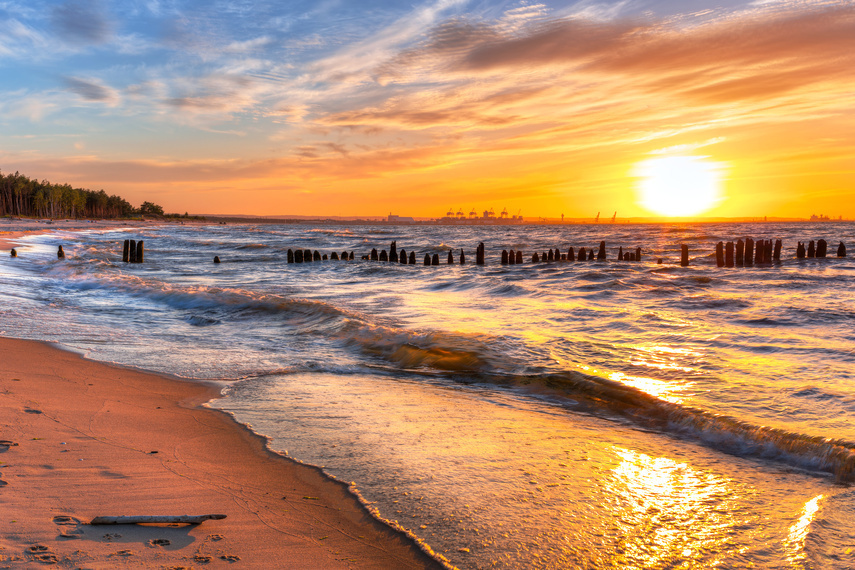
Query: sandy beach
x,y
83,439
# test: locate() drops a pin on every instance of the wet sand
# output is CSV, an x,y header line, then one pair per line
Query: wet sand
x,y
82,439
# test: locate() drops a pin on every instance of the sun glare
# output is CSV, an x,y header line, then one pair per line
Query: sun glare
x,y
678,185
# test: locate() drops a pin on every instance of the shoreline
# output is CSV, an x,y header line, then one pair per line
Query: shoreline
x,y
91,439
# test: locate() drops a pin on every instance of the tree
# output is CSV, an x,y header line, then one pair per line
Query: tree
x,y
150,209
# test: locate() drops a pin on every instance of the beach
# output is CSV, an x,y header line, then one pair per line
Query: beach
x,y
84,439
596,414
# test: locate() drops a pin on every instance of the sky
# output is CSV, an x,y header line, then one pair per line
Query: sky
x,y
414,108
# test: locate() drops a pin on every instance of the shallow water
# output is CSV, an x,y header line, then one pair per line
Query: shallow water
x,y
551,415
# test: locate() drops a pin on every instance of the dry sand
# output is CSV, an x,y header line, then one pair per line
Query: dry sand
x,y
84,439
13,228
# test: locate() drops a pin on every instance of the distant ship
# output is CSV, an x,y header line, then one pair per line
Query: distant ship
x,y
819,218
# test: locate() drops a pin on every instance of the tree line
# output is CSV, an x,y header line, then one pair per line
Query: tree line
x,y
24,196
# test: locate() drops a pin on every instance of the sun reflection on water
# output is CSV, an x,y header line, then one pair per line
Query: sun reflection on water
x,y
672,515
794,544
659,388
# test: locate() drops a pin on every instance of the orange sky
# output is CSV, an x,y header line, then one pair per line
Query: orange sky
x,y
543,109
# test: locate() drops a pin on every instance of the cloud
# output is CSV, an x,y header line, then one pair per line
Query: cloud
x,y
89,90
82,22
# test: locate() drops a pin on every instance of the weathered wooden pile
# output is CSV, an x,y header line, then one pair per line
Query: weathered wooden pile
x,y
133,251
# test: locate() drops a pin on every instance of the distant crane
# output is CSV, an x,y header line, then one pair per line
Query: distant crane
x,y
613,217
460,214
473,214
597,219
504,214
450,212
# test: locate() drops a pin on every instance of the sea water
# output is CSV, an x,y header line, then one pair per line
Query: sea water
x,y
596,414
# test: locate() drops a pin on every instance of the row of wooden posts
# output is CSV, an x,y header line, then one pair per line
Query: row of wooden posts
x,y
508,257
749,252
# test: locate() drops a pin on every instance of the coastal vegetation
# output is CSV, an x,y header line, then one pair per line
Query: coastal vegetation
x,y
28,197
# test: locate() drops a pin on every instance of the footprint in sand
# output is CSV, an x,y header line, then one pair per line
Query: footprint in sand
x,y
230,557
42,554
124,553
67,521
159,542
202,559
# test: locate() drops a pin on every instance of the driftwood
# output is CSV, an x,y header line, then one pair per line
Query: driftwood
x,y
156,519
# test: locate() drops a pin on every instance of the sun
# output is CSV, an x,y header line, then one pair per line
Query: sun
x,y
678,185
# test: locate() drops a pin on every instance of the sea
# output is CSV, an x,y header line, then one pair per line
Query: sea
x,y
585,414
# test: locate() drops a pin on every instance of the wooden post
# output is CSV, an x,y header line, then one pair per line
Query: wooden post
x,y
316,256
216,259
504,257
767,251
811,249
427,259
307,256
582,256
462,257
412,258
132,251
324,257
535,258
758,254
841,250
403,256
740,253
374,256
383,256
684,255
334,256
800,251
140,251
344,256
637,254
591,254
59,253
125,254
519,257
450,257
512,257
821,248
479,254
393,251
719,254
620,253
601,254
435,259
749,252
290,256
777,254
351,256
298,256
728,254
570,255
550,255
13,253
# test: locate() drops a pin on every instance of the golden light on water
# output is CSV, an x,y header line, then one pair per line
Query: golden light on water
x,y
671,511
794,544
678,185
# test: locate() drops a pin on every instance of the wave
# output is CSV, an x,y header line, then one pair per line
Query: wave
x,y
477,358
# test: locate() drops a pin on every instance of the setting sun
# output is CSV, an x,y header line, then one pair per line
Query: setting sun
x,y
678,185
